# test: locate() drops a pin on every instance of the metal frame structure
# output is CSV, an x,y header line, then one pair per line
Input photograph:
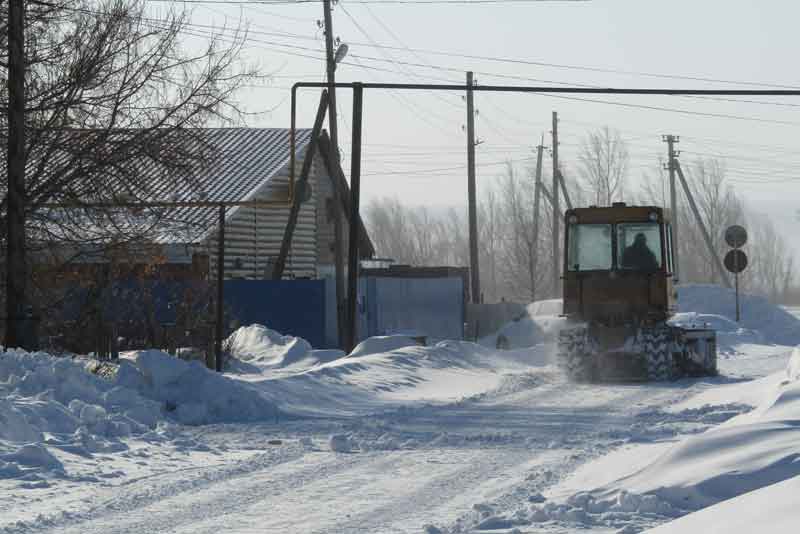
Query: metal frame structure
x,y
355,172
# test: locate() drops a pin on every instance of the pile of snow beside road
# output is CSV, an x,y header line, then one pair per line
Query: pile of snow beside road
x,y
539,324
257,343
50,405
747,453
267,349
191,393
771,509
759,317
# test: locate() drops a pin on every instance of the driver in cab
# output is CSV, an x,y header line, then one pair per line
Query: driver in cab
x,y
638,255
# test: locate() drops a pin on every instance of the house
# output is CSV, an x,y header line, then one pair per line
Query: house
x,y
252,164
240,165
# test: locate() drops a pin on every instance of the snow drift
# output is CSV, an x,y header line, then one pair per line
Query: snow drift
x,y
771,509
257,343
748,452
267,349
50,404
774,323
384,371
539,324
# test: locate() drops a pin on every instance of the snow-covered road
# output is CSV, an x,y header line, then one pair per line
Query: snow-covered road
x,y
450,465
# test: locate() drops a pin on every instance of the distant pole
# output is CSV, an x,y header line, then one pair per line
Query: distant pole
x,y
536,201
673,203
355,226
474,269
736,275
556,213
220,290
716,262
16,261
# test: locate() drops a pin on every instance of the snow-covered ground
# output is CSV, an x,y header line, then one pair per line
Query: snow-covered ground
x,y
399,438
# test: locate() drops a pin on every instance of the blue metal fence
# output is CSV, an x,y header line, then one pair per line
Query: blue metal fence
x,y
291,307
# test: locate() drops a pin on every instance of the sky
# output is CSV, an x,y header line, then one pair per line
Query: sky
x,y
415,144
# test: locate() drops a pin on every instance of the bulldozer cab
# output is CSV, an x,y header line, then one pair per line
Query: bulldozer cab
x,y
618,265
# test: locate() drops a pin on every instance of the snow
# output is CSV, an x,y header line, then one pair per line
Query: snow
x,y
775,323
258,344
540,324
379,344
771,509
397,437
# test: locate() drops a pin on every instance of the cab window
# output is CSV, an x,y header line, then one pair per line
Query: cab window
x,y
590,247
639,246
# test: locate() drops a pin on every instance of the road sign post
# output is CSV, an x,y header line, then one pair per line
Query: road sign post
x,y
736,260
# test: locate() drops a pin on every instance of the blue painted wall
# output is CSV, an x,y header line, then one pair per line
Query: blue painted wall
x,y
291,307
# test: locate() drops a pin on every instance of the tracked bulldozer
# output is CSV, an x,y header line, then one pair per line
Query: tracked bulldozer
x,y
619,297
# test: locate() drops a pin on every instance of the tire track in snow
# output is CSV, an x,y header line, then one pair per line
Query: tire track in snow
x,y
138,495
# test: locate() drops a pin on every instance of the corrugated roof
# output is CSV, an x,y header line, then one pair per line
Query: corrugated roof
x,y
244,160
229,165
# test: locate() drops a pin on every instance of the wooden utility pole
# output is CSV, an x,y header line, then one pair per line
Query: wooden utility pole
x,y
673,202
536,200
338,233
716,261
556,213
16,261
355,218
474,269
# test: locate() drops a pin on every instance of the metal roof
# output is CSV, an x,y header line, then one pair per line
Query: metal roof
x,y
226,165
244,160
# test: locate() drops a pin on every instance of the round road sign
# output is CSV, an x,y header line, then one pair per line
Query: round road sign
x,y
735,236
735,261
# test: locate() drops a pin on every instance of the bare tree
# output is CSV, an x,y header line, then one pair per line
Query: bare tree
x,y
719,208
771,271
603,165
110,88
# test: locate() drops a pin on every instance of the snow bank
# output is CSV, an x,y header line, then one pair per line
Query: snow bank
x,y
774,323
751,451
379,344
540,324
50,404
772,509
258,344
191,393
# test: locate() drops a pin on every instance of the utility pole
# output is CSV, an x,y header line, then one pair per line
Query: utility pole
x,y
556,212
536,200
355,218
16,263
673,201
338,232
471,194
719,268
